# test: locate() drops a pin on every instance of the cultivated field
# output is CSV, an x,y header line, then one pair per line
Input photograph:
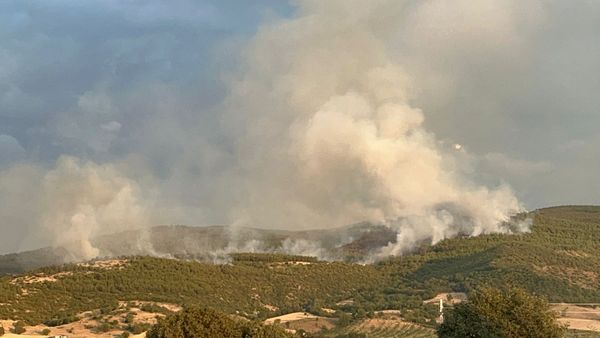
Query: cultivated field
x,y
579,316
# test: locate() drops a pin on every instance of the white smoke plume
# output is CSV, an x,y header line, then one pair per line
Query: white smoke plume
x,y
83,200
76,201
320,129
327,133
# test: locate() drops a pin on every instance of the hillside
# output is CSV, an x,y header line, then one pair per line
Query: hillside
x,y
559,259
214,243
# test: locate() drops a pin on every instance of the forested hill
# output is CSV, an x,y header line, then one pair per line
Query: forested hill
x,y
559,258
213,243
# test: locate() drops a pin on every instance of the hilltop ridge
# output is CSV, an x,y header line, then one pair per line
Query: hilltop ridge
x,y
214,243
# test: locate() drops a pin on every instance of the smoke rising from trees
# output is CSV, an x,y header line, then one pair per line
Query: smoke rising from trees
x,y
337,113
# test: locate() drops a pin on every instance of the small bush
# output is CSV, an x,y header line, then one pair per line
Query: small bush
x,y
18,329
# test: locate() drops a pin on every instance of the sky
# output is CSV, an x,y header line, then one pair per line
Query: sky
x,y
118,114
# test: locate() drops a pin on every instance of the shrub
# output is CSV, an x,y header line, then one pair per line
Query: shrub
x,y
137,328
207,323
17,329
496,313
195,322
60,321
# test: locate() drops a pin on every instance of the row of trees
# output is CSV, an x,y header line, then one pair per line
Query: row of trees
x,y
206,323
490,313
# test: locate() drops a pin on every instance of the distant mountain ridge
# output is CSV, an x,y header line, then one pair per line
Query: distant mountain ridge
x,y
211,241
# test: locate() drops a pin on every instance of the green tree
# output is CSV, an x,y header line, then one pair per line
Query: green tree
x,y
207,323
465,320
17,330
344,318
508,313
258,330
195,322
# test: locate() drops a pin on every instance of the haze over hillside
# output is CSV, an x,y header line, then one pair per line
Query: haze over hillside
x,y
300,168
558,259
316,115
213,244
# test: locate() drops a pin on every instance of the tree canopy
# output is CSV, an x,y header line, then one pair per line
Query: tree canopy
x,y
509,313
206,323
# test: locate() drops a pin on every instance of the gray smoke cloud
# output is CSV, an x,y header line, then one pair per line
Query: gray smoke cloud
x,y
73,202
328,134
323,114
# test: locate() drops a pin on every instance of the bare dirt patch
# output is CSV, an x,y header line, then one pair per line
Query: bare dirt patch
x,y
391,313
270,307
290,317
573,253
302,320
89,321
106,264
581,324
138,303
578,317
39,278
565,310
345,302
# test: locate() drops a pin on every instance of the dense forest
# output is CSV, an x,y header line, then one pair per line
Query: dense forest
x,y
559,259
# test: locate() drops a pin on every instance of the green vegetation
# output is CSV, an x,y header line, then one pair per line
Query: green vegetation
x,y
153,308
1,330
24,261
559,259
243,286
206,323
495,313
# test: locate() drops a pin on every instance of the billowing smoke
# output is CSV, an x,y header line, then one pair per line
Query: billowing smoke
x,y
320,128
76,201
84,200
327,133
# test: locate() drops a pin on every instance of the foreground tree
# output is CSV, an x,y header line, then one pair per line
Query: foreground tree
x,y
495,313
207,323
